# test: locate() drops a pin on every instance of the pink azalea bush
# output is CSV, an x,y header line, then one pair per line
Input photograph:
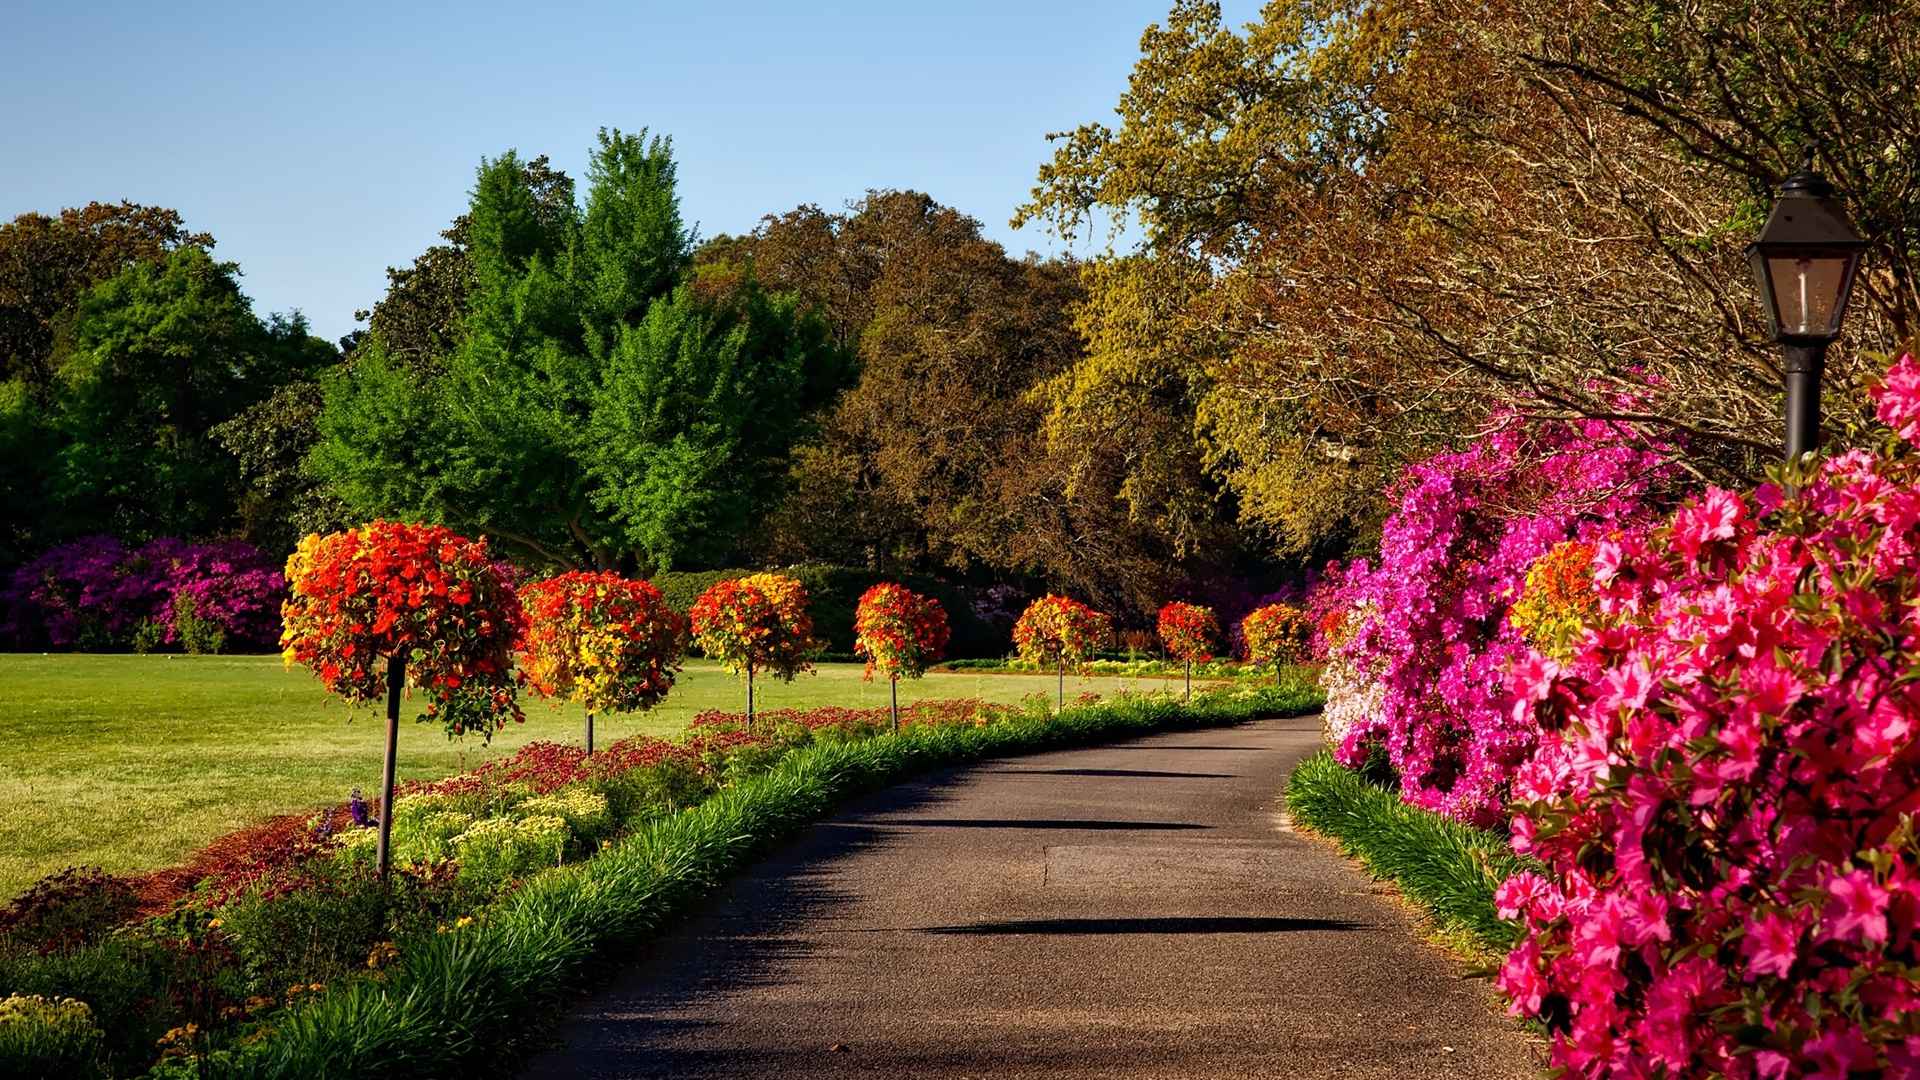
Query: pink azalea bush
x,y
1424,643
97,593
1727,810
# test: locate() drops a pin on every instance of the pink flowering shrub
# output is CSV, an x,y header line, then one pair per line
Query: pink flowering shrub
x,y
1728,815
97,593
1425,642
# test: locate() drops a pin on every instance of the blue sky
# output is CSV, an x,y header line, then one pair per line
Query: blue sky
x,y
324,142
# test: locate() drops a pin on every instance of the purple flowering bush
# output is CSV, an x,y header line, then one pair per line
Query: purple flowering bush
x,y
97,593
1425,641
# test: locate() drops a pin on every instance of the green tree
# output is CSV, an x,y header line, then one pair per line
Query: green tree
x,y
571,320
154,359
48,263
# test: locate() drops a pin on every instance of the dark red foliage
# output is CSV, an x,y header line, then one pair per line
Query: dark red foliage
x,y
68,909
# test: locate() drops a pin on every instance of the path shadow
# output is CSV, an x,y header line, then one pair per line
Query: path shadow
x,y
1170,925
1119,772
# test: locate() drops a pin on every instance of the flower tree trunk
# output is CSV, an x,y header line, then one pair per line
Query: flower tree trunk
x,y
893,685
1189,697
589,732
1063,683
749,697
396,682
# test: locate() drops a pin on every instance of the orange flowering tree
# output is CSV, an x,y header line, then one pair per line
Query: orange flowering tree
x,y
1276,634
900,633
758,623
1189,632
1059,630
374,608
610,643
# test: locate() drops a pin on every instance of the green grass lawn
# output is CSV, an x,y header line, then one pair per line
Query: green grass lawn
x,y
131,762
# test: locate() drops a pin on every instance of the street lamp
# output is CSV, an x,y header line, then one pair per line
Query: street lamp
x,y
1804,262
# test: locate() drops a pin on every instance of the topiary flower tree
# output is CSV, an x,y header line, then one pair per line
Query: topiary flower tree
x,y
1057,630
1276,634
610,643
1189,632
371,608
753,624
900,633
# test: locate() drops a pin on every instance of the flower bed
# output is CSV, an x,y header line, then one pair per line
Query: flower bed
x,y
294,902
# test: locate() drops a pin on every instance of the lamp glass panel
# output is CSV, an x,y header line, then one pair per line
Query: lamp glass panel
x,y
1806,292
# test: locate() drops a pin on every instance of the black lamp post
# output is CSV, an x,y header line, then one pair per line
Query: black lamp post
x,y
1804,262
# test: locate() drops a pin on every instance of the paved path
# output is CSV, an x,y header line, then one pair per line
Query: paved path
x,y
1135,911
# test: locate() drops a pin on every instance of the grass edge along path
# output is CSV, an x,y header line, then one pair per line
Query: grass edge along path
x,y
1448,869
456,999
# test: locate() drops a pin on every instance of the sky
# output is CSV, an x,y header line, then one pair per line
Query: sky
x,y
321,143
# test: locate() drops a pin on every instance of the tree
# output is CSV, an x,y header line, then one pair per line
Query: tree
x,y
1276,634
374,607
1400,213
153,360
1057,630
597,410
48,263
610,643
1188,632
900,633
756,624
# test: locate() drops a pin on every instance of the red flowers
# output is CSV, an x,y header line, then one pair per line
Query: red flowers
x,y
899,631
608,642
757,623
1276,634
1189,632
1058,630
357,599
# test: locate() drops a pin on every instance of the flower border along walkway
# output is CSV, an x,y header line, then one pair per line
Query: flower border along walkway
x,y
453,999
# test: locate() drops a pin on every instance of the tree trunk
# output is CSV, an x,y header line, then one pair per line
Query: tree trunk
x,y
749,697
1063,684
589,732
893,685
396,682
1189,681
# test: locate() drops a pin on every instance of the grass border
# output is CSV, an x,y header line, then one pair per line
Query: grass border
x,y
1448,869
454,1001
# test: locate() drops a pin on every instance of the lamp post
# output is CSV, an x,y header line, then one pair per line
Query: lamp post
x,y
1804,262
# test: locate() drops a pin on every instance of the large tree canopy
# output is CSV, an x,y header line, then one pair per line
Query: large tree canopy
x,y
1370,221
595,406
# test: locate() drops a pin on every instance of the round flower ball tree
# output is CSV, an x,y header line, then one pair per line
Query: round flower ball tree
x,y
756,624
1058,630
610,643
900,633
371,608
1276,634
1189,632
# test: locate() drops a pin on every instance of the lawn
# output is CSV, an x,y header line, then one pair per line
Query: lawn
x,y
130,762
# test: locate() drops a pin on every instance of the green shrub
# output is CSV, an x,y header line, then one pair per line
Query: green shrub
x,y
1446,867
315,932
497,850
649,791
588,814
49,1037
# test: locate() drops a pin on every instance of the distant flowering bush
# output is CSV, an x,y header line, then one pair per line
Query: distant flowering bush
x,y
756,624
1189,632
421,592
1276,634
899,631
1427,620
1056,631
97,593
610,643
1729,811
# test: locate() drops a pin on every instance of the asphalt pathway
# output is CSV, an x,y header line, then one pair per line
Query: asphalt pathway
x,y
1137,910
